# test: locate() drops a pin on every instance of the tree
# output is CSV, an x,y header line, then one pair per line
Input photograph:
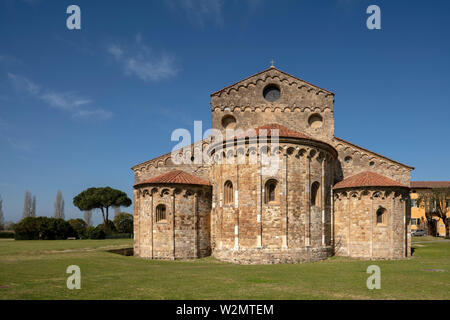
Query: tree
x,y
101,198
116,210
124,222
9,225
33,207
435,202
88,217
2,218
43,228
79,225
59,206
27,205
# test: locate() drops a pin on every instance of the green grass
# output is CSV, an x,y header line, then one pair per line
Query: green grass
x,y
37,270
426,238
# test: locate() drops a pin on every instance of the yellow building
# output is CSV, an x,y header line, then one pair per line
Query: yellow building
x,y
418,219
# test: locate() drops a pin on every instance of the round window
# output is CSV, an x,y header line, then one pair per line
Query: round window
x,y
228,122
271,93
315,121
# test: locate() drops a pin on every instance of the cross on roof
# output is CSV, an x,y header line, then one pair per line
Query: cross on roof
x,y
271,63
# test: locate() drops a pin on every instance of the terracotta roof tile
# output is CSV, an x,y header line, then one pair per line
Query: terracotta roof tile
x,y
430,184
282,132
367,179
176,177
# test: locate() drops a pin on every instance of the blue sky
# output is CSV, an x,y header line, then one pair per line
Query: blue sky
x,y
78,108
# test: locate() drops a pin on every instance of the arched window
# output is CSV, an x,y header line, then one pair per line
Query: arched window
x,y
228,193
315,194
160,212
270,191
381,216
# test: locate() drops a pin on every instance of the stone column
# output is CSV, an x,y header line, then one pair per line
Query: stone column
x,y
259,202
322,200
349,212
236,211
151,220
332,240
195,225
307,201
136,223
173,225
332,217
285,243
392,223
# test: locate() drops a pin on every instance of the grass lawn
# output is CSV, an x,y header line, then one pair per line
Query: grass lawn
x,y
37,270
427,238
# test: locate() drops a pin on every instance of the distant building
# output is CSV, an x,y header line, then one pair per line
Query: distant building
x,y
418,217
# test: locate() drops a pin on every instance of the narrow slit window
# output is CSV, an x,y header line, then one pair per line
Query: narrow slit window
x,y
228,192
160,213
270,191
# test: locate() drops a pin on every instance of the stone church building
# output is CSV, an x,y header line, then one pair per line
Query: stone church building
x,y
325,196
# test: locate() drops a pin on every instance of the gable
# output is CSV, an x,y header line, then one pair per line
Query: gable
x,y
295,93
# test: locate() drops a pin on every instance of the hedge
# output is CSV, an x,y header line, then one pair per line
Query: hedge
x,y
6,235
43,228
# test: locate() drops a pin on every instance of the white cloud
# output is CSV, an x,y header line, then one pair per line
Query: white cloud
x,y
141,61
151,70
115,51
67,101
23,84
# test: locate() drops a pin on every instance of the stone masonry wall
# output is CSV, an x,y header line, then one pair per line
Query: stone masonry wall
x,y
357,232
261,229
298,101
184,233
354,159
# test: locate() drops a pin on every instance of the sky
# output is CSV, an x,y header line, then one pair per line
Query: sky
x,y
79,108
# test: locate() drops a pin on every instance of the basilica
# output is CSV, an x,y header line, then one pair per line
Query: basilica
x,y
281,189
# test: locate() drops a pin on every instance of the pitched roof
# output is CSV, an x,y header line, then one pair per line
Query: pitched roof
x,y
266,70
169,153
430,184
176,177
367,179
377,154
282,132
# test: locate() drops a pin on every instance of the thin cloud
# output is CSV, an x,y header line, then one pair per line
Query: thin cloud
x,y
23,84
97,114
143,62
67,101
115,51
199,12
19,145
